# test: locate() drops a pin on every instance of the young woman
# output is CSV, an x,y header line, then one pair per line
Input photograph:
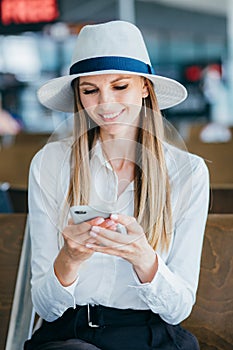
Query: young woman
x,y
95,286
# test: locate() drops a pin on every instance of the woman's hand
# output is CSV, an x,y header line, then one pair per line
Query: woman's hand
x,y
75,251
133,247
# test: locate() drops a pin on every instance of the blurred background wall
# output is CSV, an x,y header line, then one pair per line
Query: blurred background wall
x,y
185,38
188,40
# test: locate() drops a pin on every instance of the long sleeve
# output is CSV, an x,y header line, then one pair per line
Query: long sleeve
x,y
172,292
49,298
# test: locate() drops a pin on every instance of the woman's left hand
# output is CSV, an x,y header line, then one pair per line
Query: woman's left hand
x,y
133,246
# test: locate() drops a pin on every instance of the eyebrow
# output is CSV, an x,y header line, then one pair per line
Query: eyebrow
x,y
86,83
114,81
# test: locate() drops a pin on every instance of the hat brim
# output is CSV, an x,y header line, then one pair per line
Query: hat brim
x,y
57,94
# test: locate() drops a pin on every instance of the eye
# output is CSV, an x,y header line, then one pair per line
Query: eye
x,y
88,92
121,87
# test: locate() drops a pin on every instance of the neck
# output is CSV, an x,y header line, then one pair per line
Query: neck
x,y
120,152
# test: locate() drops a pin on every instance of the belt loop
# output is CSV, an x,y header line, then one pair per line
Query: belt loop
x,y
90,324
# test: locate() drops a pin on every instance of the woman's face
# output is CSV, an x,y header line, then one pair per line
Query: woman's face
x,y
113,101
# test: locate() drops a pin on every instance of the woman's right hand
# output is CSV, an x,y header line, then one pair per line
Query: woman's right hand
x,y
74,251
76,236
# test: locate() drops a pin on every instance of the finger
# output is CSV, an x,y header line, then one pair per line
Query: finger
x,y
90,240
86,225
96,221
106,250
77,233
108,237
109,224
113,227
128,221
77,228
72,243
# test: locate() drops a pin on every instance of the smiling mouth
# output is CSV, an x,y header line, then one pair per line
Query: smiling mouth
x,y
111,116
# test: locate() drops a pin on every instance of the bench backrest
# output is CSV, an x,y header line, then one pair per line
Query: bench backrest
x,y
218,156
12,228
212,317
221,199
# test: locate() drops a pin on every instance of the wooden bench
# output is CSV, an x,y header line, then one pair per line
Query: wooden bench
x,y
221,199
15,162
212,317
16,158
218,156
39,139
19,199
11,237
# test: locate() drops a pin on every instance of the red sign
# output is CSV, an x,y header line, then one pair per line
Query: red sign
x,y
28,11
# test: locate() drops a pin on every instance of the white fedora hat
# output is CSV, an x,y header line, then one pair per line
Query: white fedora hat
x,y
115,47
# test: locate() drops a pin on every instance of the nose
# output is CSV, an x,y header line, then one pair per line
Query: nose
x,y
105,97
106,102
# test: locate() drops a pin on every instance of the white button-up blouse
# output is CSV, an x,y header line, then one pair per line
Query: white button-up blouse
x,y
110,280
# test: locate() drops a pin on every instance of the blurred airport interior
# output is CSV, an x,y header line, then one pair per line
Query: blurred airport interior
x,y
191,41
187,40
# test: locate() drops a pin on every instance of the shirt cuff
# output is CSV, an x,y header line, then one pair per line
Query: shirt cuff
x,y
154,281
71,288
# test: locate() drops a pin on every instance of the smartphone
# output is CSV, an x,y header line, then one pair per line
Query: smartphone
x,y
80,213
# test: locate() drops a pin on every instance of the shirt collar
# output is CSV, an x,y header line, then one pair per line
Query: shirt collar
x,y
97,153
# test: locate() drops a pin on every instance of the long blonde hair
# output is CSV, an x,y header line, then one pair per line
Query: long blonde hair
x,y
152,205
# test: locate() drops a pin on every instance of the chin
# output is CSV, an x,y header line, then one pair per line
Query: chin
x,y
115,129
120,129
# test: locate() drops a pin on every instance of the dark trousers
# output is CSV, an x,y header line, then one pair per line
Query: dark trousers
x,y
114,329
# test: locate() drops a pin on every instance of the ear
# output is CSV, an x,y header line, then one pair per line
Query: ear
x,y
145,90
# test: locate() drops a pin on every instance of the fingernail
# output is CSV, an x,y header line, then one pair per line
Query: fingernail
x,y
99,221
88,245
110,222
95,228
93,234
114,216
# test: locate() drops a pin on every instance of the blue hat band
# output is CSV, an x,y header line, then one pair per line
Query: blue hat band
x,y
111,63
